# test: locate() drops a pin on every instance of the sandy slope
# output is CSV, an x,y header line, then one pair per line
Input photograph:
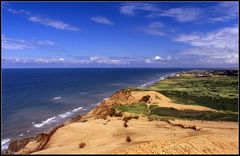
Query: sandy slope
x,y
109,135
104,136
163,101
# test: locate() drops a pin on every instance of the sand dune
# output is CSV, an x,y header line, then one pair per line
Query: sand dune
x,y
104,136
163,101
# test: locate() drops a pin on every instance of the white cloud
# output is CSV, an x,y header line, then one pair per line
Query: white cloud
x,y
45,42
220,45
53,23
182,61
182,14
23,12
222,38
148,61
57,24
131,8
102,20
169,58
19,44
223,11
13,11
14,44
156,25
154,28
158,58
106,60
91,60
219,12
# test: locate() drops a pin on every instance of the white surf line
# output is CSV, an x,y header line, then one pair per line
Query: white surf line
x,y
44,122
5,143
56,118
57,97
154,81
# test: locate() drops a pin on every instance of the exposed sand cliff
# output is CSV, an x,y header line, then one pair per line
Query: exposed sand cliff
x,y
103,131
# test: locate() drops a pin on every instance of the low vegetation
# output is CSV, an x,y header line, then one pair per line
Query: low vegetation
x,y
217,91
125,125
192,114
156,112
213,89
82,145
128,139
138,108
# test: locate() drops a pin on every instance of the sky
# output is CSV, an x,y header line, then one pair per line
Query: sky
x,y
120,34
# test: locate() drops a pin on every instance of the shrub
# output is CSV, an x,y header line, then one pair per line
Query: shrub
x,y
125,125
145,98
113,112
128,139
126,118
82,145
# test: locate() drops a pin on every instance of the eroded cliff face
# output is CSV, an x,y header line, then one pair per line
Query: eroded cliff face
x,y
30,145
121,97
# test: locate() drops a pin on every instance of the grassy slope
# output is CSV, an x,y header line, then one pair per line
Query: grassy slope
x,y
156,112
217,92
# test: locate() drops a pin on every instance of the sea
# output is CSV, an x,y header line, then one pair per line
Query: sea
x,y
35,100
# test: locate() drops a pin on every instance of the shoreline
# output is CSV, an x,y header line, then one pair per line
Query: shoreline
x,y
73,115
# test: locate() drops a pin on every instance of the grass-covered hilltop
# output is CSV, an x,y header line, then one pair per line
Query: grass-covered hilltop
x,y
214,89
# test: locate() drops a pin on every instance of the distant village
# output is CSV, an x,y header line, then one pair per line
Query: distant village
x,y
209,73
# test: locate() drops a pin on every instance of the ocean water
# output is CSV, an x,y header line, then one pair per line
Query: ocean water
x,y
34,100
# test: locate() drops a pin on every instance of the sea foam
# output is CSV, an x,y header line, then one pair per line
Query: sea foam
x,y
64,115
57,97
44,122
154,81
57,118
5,143
77,109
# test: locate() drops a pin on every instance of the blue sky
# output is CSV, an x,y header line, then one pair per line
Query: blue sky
x,y
119,34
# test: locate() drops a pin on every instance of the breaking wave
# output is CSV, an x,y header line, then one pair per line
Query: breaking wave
x,y
57,98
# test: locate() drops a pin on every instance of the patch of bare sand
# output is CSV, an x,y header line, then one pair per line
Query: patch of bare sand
x,y
198,144
212,138
104,136
163,101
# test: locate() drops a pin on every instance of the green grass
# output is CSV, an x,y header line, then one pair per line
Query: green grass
x,y
156,112
217,92
193,114
138,108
